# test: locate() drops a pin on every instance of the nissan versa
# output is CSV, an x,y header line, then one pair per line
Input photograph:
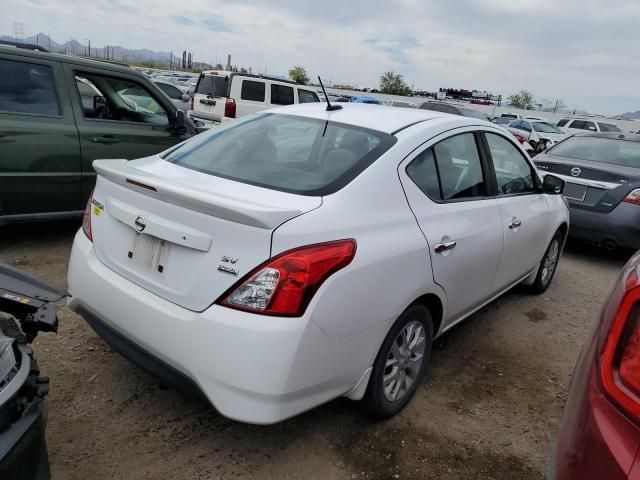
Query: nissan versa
x,y
306,253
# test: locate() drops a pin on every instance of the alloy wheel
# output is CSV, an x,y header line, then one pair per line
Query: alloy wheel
x,y
404,361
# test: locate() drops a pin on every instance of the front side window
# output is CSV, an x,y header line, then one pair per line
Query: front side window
x,y
253,91
609,127
306,96
562,122
459,168
583,125
514,174
170,90
283,152
117,99
27,88
281,95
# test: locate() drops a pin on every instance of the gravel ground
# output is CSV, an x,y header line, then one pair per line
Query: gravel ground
x,y
489,407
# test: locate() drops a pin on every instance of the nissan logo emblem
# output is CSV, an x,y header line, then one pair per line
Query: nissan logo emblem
x,y
140,223
576,172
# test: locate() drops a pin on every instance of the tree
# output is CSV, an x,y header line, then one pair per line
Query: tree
x,y
393,84
299,75
523,99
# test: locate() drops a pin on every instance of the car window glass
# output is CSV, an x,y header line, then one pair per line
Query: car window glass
x,y
281,95
27,88
305,96
170,90
562,122
116,99
253,91
513,173
459,168
603,150
422,170
212,85
609,127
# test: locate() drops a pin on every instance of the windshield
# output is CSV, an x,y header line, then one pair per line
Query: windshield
x,y
213,85
284,152
467,112
545,127
608,127
605,150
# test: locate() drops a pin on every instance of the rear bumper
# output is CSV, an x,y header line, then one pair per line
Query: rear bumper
x,y
622,225
251,368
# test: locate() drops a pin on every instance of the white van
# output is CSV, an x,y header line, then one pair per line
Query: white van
x,y
221,95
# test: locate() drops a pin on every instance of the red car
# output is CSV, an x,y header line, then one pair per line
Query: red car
x,y
600,431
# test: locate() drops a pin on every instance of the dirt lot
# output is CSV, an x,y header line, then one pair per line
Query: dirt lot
x,y
488,409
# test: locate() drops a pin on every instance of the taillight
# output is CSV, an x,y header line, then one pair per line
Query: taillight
x,y
633,197
620,358
86,219
520,138
230,108
284,285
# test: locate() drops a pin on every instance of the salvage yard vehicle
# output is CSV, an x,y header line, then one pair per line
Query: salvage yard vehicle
x,y
539,133
311,252
579,125
600,431
23,448
602,175
221,96
59,113
453,109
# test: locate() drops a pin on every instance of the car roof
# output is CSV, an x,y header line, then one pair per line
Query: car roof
x,y
58,57
374,117
631,137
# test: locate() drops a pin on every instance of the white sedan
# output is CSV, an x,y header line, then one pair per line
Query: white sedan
x,y
299,255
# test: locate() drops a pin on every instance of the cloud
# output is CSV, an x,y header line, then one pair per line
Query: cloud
x,y
574,49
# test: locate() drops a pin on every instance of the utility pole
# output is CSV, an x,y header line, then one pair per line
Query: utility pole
x,y
18,31
87,48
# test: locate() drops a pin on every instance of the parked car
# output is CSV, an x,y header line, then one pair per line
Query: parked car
x,y
600,431
579,125
369,100
23,448
540,134
453,109
179,96
502,121
221,96
399,103
602,171
58,113
300,255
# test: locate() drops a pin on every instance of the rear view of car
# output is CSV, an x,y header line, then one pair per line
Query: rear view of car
x,y
602,175
600,432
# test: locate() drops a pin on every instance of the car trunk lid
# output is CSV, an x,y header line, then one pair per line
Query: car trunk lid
x,y
184,235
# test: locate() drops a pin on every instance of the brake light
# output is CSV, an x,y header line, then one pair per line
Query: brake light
x,y
86,219
520,138
620,358
285,284
633,197
230,108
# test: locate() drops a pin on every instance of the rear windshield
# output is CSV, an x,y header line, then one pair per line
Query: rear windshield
x,y
283,152
213,85
605,150
545,127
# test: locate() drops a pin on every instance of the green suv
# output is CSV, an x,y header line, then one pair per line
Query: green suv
x,y
58,114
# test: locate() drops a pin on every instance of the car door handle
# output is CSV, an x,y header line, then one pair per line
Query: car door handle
x,y
105,140
515,223
443,247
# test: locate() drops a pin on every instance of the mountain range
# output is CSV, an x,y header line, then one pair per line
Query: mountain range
x,y
631,115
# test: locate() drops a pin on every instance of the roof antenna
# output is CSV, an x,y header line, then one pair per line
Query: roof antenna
x,y
330,108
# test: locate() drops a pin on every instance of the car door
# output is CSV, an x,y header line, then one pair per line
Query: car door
x,y
447,188
122,119
39,150
523,210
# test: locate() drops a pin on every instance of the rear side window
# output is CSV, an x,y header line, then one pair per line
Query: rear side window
x,y
422,170
212,85
283,152
562,122
281,95
305,96
27,88
253,91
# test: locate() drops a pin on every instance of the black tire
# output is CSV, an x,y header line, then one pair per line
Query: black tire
x,y
375,401
543,281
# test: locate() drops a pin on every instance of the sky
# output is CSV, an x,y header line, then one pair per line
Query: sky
x,y
582,51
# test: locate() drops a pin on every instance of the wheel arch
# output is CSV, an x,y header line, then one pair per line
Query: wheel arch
x,y
435,305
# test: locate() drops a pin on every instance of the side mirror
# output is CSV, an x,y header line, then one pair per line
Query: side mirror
x,y
552,185
181,122
186,97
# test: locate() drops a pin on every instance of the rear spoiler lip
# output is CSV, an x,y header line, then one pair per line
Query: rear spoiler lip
x,y
229,208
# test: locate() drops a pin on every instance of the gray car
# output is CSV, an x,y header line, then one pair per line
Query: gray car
x,y
602,175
